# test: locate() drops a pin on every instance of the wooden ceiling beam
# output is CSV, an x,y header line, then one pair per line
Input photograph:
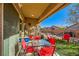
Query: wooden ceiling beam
x,y
18,9
32,19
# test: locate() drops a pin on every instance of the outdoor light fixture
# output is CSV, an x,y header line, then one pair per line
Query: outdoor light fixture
x,y
32,15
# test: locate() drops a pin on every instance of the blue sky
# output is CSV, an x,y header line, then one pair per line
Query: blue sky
x,y
57,19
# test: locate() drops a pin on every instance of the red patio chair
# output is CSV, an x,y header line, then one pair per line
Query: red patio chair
x,y
23,44
31,37
30,49
66,37
27,49
52,41
37,37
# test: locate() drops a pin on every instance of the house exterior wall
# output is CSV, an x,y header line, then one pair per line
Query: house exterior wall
x,y
74,28
76,33
1,29
11,20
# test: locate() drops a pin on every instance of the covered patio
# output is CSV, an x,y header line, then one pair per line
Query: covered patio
x,y
20,20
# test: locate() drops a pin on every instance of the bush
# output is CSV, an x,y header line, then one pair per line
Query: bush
x,y
67,50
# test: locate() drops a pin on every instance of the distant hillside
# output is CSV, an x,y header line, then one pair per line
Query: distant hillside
x,y
61,28
54,28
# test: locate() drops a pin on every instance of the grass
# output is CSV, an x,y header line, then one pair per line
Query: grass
x,y
67,50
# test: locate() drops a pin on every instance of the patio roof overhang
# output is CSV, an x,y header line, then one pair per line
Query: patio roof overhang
x,y
37,12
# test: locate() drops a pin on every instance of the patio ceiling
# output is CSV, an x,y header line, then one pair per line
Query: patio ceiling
x,y
33,10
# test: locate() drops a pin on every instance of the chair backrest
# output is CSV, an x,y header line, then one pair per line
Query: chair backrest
x,y
23,44
66,36
52,41
31,37
30,49
37,37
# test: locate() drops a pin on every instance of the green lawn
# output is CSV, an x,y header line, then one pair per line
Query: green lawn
x,y
66,50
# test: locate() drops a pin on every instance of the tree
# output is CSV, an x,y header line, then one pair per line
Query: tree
x,y
73,14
